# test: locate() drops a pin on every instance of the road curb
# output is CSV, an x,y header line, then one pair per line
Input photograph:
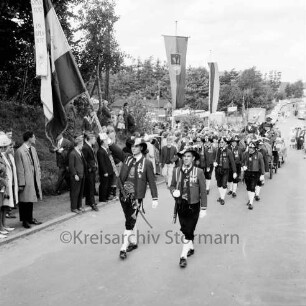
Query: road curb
x,y
52,222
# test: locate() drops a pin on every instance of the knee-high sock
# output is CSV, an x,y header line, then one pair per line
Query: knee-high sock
x,y
126,241
186,247
191,246
235,187
257,190
207,184
251,196
220,191
223,193
133,237
230,186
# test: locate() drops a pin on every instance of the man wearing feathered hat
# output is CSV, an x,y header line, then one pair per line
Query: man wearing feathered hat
x,y
189,190
238,154
254,171
136,172
223,165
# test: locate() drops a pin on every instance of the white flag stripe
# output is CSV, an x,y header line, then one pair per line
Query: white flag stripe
x,y
46,94
59,45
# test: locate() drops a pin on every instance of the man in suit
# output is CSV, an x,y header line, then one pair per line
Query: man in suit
x,y
92,166
136,172
106,170
62,150
189,190
77,170
29,179
168,159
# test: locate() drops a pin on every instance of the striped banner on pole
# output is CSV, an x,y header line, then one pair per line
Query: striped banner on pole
x,y
176,49
214,87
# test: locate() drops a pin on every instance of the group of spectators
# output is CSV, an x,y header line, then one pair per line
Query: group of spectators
x,y
20,180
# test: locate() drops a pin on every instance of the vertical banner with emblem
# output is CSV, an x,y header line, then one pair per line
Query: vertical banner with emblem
x,y
176,49
214,87
41,54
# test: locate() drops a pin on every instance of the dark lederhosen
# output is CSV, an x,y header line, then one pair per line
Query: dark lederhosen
x,y
252,180
222,173
210,165
209,173
188,213
188,216
130,205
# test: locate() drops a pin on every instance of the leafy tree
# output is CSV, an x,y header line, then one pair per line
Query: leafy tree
x,y
17,63
101,50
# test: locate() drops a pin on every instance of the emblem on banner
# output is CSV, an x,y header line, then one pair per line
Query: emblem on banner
x,y
176,63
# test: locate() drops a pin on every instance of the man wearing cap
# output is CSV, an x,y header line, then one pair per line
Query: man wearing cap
x,y
189,190
136,172
254,171
92,166
223,164
29,179
77,170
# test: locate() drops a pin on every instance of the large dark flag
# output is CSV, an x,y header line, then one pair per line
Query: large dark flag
x,y
176,49
63,81
214,87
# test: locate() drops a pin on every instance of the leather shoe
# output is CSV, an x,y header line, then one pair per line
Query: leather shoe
x,y
183,262
207,192
250,207
219,200
122,254
94,207
230,192
257,198
75,211
234,194
34,221
26,224
10,216
131,247
222,202
190,252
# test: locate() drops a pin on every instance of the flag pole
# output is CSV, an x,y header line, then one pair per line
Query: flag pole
x,y
209,81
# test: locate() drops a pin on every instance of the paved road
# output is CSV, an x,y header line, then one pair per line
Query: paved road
x,y
266,266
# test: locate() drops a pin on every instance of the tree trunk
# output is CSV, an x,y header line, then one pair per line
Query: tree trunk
x,y
107,66
99,85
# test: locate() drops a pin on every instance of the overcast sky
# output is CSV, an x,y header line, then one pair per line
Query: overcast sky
x,y
268,34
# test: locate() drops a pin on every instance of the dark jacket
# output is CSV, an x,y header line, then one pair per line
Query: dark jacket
x,y
104,163
254,162
173,155
62,159
237,153
77,165
210,154
226,161
197,185
143,177
90,158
